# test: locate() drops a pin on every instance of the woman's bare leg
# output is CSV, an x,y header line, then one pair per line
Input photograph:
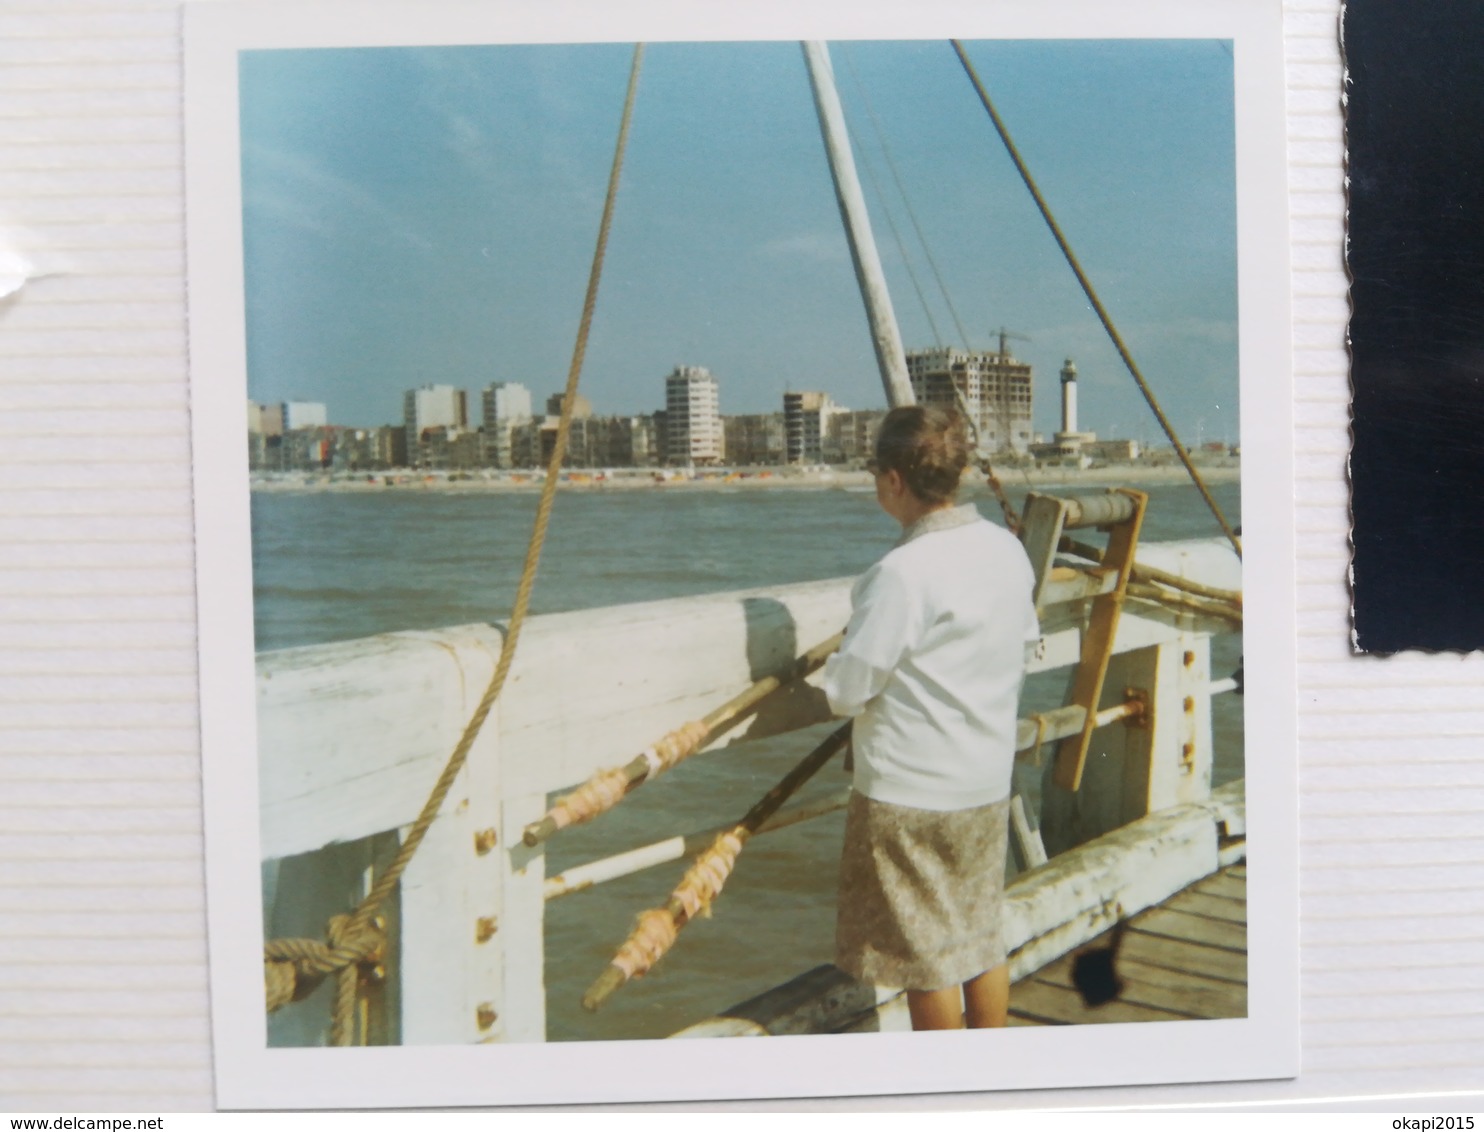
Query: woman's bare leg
x,y
936,1009
987,998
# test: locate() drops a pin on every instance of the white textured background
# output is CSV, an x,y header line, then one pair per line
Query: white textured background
x,y
103,991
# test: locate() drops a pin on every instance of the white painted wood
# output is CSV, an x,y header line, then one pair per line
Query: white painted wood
x,y
891,358
1082,892
486,881
352,735
1031,853
435,936
522,915
722,1027
446,970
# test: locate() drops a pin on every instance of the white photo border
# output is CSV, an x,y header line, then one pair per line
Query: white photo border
x,y
249,1075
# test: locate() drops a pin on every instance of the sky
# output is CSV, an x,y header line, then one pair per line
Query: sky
x,y
428,215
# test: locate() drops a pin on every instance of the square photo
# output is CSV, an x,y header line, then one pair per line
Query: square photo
x,y
740,533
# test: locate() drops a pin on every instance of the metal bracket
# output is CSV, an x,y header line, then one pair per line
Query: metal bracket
x,y
1141,720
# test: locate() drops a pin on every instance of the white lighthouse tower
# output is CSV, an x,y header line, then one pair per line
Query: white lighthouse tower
x,y
1069,397
1070,443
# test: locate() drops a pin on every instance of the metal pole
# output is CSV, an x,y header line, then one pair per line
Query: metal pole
x,y
891,359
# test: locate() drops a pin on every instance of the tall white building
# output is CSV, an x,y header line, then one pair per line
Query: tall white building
x,y
507,406
692,417
304,414
432,406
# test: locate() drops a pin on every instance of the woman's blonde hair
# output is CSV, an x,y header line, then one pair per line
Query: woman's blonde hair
x,y
927,446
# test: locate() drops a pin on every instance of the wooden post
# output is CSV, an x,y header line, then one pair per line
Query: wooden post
x,y
522,923
435,943
1147,764
471,903
1040,532
1099,642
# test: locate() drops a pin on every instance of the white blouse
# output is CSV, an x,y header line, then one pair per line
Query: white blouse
x,y
932,664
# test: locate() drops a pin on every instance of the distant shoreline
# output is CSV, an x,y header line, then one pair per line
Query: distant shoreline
x,y
751,479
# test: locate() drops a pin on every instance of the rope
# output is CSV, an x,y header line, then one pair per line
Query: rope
x,y
606,788
659,928
1102,313
1040,720
347,939
896,175
1012,520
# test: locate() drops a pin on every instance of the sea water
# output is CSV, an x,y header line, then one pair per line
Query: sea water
x,y
336,565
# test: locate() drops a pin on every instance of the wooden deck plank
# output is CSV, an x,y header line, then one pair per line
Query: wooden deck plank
x,y
1167,922
1183,955
1222,884
1185,959
1063,1004
1212,907
1179,992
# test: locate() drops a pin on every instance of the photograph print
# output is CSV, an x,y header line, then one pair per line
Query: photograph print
x,y
738,537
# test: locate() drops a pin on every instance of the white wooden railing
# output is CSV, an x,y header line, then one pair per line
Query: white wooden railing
x,y
352,735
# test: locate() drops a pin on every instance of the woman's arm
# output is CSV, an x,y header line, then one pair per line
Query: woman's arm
x,y
885,622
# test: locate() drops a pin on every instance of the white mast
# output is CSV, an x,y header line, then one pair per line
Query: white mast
x,y
891,359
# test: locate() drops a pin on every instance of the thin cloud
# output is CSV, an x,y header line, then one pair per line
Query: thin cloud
x,y
311,199
814,247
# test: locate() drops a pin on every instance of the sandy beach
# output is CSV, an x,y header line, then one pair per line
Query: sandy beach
x,y
1226,470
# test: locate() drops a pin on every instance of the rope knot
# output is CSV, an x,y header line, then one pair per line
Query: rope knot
x,y
293,968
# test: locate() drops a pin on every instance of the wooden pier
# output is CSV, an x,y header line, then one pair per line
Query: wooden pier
x,y
1186,958
351,734
1183,959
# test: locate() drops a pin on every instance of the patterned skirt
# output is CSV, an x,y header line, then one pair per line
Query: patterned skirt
x,y
921,893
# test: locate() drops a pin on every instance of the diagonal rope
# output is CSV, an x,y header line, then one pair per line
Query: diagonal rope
x,y
1007,509
1102,313
896,236
365,912
896,177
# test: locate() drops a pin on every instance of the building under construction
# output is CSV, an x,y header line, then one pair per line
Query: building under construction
x,y
995,386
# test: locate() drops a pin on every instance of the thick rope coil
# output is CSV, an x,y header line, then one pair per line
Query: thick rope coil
x,y
292,968
680,744
705,879
281,981
597,795
658,928
654,936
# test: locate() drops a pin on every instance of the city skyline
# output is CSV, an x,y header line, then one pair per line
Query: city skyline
x,y
425,216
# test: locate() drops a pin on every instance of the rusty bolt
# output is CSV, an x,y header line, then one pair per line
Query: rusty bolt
x,y
484,841
1189,658
486,1015
484,929
1190,703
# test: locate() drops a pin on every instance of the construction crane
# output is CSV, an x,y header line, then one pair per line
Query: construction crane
x,y
1001,372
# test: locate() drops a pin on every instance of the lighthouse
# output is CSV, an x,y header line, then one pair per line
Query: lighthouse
x,y
1069,397
1070,446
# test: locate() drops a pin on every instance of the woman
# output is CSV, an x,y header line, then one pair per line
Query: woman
x,y
931,669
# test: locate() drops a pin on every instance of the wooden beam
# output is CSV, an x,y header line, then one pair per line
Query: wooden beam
x,y
351,735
